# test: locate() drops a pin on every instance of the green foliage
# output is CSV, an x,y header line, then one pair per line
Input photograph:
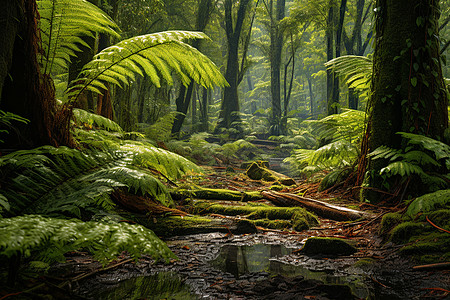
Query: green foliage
x,y
63,23
49,238
158,55
429,203
340,136
84,117
424,157
51,181
356,71
6,118
161,130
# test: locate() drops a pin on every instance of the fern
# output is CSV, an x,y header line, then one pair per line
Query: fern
x,y
49,238
340,136
84,117
157,55
422,157
63,23
66,181
356,71
6,118
161,130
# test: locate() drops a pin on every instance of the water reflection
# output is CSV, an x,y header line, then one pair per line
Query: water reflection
x,y
240,260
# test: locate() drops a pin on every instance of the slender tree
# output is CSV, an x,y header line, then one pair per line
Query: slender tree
x,y
229,112
409,93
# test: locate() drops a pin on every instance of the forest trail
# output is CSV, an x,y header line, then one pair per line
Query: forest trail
x,y
265,264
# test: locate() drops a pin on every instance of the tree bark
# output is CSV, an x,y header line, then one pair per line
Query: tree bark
x,y
409,91
331,103
229,111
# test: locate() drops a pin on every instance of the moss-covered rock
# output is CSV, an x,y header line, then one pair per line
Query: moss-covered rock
x,y
429,203
403,232
328,246
389,221
257,172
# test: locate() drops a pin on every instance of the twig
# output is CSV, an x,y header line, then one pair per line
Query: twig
x,y
437,266
434,225
383,285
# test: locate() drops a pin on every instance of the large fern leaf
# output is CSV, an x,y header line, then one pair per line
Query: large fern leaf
x,y
63,23
50,238
50,180
159,55
85,117
356,71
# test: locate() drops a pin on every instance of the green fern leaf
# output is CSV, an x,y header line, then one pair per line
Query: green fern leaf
x,y
63,23
157,54
49,238
82,116
402,168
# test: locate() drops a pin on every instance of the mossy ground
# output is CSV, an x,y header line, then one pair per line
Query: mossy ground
x,y
266,216
424,242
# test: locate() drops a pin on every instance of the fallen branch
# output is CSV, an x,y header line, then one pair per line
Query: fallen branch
x,y
436,266
322,209
434,225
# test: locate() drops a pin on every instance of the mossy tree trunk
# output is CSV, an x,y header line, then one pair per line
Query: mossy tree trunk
x,y
409,92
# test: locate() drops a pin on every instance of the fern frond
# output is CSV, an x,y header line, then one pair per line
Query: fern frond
x,y
50,180
157,55
161,130
50,238
356,71
63,23
402,168
439,149
85,117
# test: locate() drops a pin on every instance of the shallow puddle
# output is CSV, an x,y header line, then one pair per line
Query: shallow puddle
x,y
241,260
163,285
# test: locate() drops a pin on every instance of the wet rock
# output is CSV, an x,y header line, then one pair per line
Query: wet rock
x,y
328,246
245,226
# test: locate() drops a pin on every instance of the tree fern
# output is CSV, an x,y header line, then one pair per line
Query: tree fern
x,y
356,71
63,23
49,238
159,55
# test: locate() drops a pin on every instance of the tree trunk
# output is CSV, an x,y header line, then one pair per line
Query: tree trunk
x,y
409,91
276,47
331,103
24,90
229,111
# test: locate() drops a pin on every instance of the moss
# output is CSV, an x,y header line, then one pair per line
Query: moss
x,y
300,218
430,202
256,172
171,226
429,243
365,263
276,187
215,194
389,221
272,224
440,218
328,246
403,232
245,226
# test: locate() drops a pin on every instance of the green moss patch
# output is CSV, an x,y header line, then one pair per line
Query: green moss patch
x,y
299,218
328,246
389,221
403,232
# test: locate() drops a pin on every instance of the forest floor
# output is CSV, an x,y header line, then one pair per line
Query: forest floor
x,y
263,265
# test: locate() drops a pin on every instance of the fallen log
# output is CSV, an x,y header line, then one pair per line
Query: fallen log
x,y
215,194
321,208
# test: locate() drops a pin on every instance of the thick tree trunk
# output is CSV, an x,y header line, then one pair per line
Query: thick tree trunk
x,y
409,92
24,90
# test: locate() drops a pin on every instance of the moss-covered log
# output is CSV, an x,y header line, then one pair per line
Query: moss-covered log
x,y
322,209
215,194
298,218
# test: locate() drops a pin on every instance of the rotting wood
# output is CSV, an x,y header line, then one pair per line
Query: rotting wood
x,y
322,209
